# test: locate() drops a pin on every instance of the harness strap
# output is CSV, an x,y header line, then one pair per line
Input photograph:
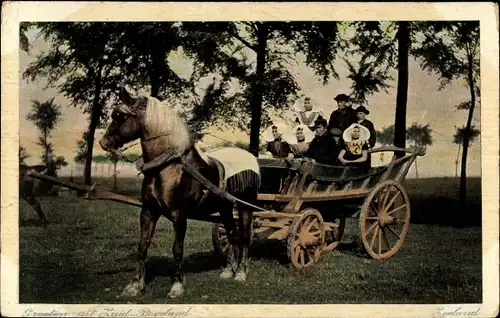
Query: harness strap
x,y
216,190
169,156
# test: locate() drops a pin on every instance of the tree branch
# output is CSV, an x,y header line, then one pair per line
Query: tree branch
x,y
245,42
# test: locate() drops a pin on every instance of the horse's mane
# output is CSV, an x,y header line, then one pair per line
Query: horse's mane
x,y
162,119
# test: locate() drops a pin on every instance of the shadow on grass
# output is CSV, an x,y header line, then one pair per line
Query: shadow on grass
x,y
445,212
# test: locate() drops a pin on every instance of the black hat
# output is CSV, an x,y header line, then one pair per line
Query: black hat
x,y
341,97
362,109
321,121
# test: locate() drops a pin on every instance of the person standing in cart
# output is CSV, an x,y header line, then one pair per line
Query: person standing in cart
x,y
361,113
308,114
344,116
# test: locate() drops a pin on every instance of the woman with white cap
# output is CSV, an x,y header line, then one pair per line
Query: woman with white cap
x,y
355,146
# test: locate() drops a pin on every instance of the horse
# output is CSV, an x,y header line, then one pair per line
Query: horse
x,y
28,187
170,189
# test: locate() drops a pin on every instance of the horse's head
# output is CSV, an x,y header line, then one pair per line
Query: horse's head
x,y
127,122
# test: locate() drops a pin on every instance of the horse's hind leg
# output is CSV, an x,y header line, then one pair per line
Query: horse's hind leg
x,y
244,224
148,222
180,224
232,249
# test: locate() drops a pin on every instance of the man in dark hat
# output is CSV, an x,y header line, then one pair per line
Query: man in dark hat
x,y
361,113
323,148
342,117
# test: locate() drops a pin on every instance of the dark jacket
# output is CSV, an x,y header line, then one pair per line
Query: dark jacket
x,y
342,118
278,148
373,134
323,149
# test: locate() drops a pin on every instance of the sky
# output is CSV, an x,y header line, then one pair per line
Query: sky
x,y
426,105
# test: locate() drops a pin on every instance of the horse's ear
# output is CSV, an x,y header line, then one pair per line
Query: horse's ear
x,y
126,97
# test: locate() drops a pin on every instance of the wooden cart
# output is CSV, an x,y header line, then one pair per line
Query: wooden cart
x,y
308,204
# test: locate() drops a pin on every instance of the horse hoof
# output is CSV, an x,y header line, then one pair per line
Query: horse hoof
x,y
176,291
226,273
133,289
240,276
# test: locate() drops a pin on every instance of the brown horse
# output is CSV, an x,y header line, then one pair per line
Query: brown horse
x,y
28,187
169,190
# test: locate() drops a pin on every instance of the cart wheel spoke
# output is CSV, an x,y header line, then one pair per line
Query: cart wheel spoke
x,y
301,257
374,236
380,240
396,209
374,208
391,202
371,228
384,234
393,232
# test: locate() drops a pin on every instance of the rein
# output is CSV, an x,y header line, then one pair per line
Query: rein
x,y
171,156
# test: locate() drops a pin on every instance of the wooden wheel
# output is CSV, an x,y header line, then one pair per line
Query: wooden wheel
x,y
334,235
220,240
306,238
385,219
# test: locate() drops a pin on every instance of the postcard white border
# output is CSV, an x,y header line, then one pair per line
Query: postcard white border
x,y
486,13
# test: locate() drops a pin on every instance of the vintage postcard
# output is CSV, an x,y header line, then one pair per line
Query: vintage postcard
x,y
250,159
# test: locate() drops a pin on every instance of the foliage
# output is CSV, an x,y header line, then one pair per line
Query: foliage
x,y
45,116
386,136
249,91
459,136
23,155
446,49
81,145
421,135
451,50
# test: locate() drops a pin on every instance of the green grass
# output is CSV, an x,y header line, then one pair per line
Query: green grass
x,y
87,255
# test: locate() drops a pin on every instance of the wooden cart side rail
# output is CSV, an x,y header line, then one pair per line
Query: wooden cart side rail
x,y
351,194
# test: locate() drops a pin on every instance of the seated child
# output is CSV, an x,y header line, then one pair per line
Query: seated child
x,y
355,146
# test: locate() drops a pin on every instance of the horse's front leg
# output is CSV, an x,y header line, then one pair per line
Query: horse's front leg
x,y
148,222
180,224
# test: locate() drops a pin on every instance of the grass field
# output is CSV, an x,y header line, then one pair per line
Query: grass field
x,y
87,255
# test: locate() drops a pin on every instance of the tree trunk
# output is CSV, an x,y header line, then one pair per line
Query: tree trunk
x,y
257,94
456,161
94,121
403,36
115,186
462,193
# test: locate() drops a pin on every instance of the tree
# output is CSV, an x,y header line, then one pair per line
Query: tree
x,y
386,138
267,84
382,46
147,46
421,137
45,116
81,63
451,50
23,155
458,139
